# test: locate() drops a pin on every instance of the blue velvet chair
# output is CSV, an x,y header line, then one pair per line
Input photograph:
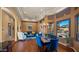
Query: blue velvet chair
x,y
39,42
53,45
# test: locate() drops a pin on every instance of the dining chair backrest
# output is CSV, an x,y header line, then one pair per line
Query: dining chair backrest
x,y
38,41
53,44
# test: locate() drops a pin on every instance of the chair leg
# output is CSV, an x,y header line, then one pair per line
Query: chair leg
x,y
40,49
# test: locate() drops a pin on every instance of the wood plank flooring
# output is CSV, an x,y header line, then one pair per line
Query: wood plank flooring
x,y
25,46
31,46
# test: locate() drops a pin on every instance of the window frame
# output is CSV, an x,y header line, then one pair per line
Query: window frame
x,y
76,26
69,26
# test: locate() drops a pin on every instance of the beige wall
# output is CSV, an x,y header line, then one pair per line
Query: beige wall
x,y
0,28
6,20
38,26
44,21
19,25
13,13
24,26
0,25
5,17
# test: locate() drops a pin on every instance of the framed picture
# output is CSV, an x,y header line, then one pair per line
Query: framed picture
x,y
30,27
63,30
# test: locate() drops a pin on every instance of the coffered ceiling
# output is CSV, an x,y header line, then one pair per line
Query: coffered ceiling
x,y
37,13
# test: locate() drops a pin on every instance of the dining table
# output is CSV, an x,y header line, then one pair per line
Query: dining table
x,y
45,39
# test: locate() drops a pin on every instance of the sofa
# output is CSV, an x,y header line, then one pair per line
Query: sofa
x,y
26,35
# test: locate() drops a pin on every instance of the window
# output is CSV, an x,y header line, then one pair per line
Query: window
x,y
53,28
77,26
9,29
63,30
49,27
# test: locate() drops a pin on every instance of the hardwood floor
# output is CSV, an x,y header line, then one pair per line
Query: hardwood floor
x,y
31,46
25,46
64,48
